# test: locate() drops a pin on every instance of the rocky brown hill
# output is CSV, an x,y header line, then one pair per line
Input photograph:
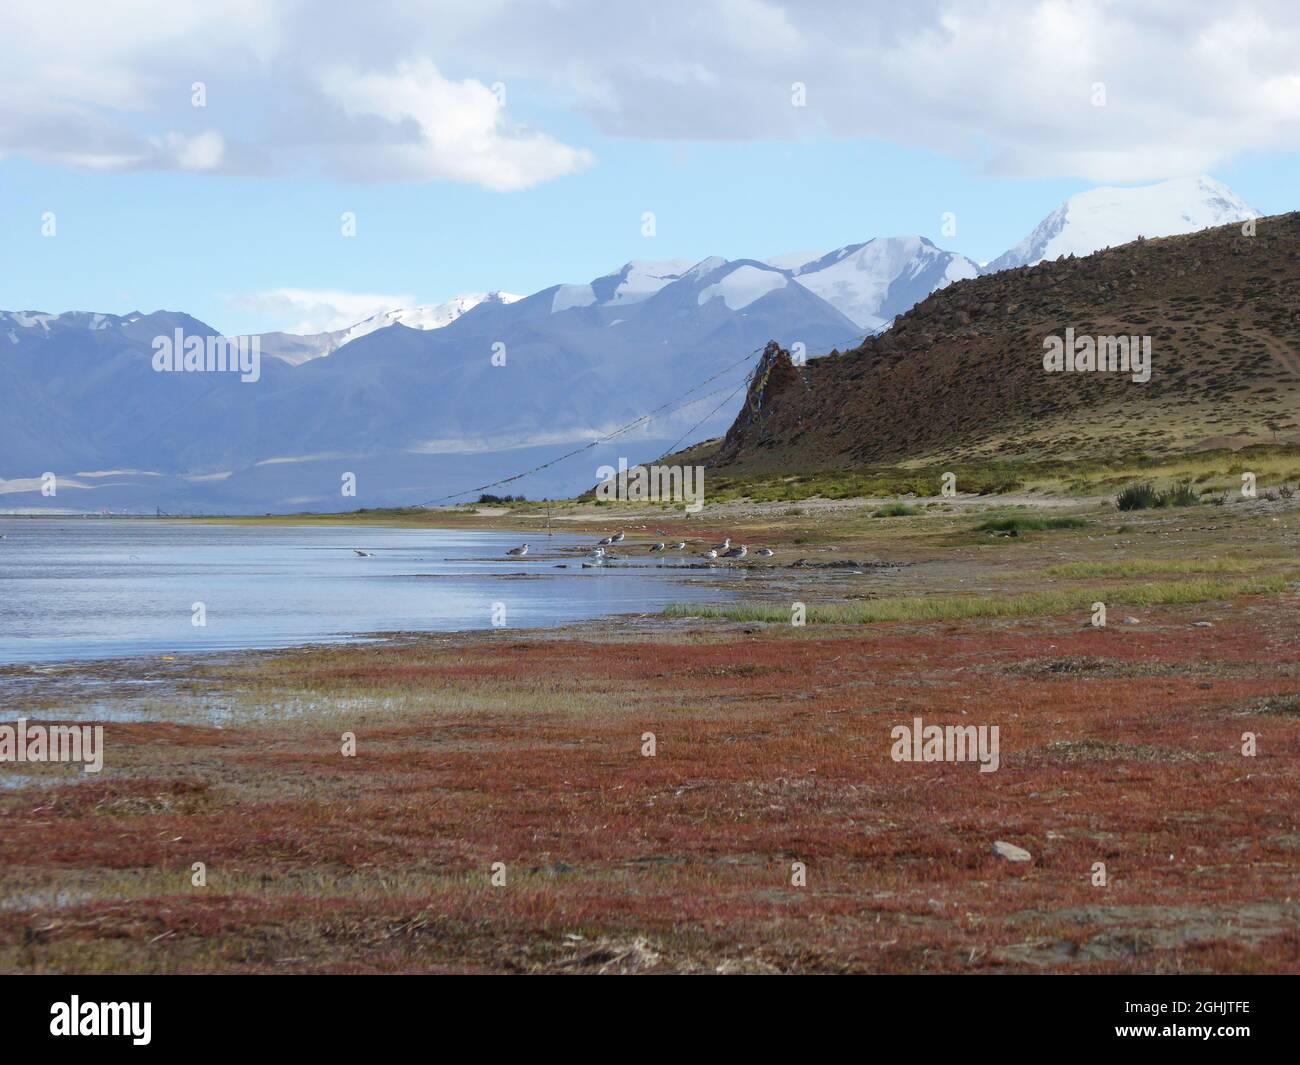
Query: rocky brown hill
x,y
962,374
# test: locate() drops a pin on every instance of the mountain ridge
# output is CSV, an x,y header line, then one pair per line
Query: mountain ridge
x,y
962,375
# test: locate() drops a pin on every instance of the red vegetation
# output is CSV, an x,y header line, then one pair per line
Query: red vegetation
x,y
1121,746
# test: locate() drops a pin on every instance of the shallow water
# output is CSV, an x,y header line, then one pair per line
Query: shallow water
x,y
102,588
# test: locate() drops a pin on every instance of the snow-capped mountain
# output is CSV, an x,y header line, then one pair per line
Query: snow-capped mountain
x,y
414,404
1106,217
872,283
436,317
14,322
743,284
296,349
869,283
32,330
638,280
631,283
413,413
18,327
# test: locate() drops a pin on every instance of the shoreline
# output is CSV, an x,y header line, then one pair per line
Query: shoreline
x,y
1119,745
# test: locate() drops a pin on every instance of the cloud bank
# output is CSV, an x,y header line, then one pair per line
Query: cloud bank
x,y
394,91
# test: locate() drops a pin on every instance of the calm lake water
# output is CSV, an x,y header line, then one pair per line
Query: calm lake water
x,y
97,588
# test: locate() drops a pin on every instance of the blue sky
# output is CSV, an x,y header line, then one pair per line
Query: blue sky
x,y
162,205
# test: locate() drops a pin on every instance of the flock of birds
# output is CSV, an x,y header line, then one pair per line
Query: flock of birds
x,y
597,556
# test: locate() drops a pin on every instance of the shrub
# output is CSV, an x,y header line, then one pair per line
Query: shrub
x,y
1144,496
1181,495
1137,497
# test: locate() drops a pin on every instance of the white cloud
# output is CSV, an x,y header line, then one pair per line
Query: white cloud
x,y
106,88
203,151
87,86
306,311
1006,85
390,91
454,131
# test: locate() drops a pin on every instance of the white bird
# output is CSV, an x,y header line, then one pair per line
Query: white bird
x,y
364,554
724,545
711,554
596,558
598,552
606,542
518,552
737,552
680,547
766,552
657,547
617,538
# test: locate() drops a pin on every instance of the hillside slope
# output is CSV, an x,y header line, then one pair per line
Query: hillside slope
x,y
961,375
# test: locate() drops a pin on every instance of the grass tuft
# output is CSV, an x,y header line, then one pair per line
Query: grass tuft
x,y
1150,567
1027,524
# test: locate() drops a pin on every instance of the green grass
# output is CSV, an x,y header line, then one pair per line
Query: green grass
x,y
1150,567
956,607
1028,524
1082,474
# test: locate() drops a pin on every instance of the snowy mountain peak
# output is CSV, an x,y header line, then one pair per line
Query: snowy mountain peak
x,y
633,282
295,349
740,287
1106,217
638,280
705,267
431,317
871,283
39,320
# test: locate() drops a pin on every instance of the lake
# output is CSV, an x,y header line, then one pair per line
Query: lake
x,y
103,588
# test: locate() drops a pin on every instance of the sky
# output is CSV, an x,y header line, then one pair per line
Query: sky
x,y
208,158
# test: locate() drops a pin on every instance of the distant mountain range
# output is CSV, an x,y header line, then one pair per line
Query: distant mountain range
x,y
423,402
295,349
